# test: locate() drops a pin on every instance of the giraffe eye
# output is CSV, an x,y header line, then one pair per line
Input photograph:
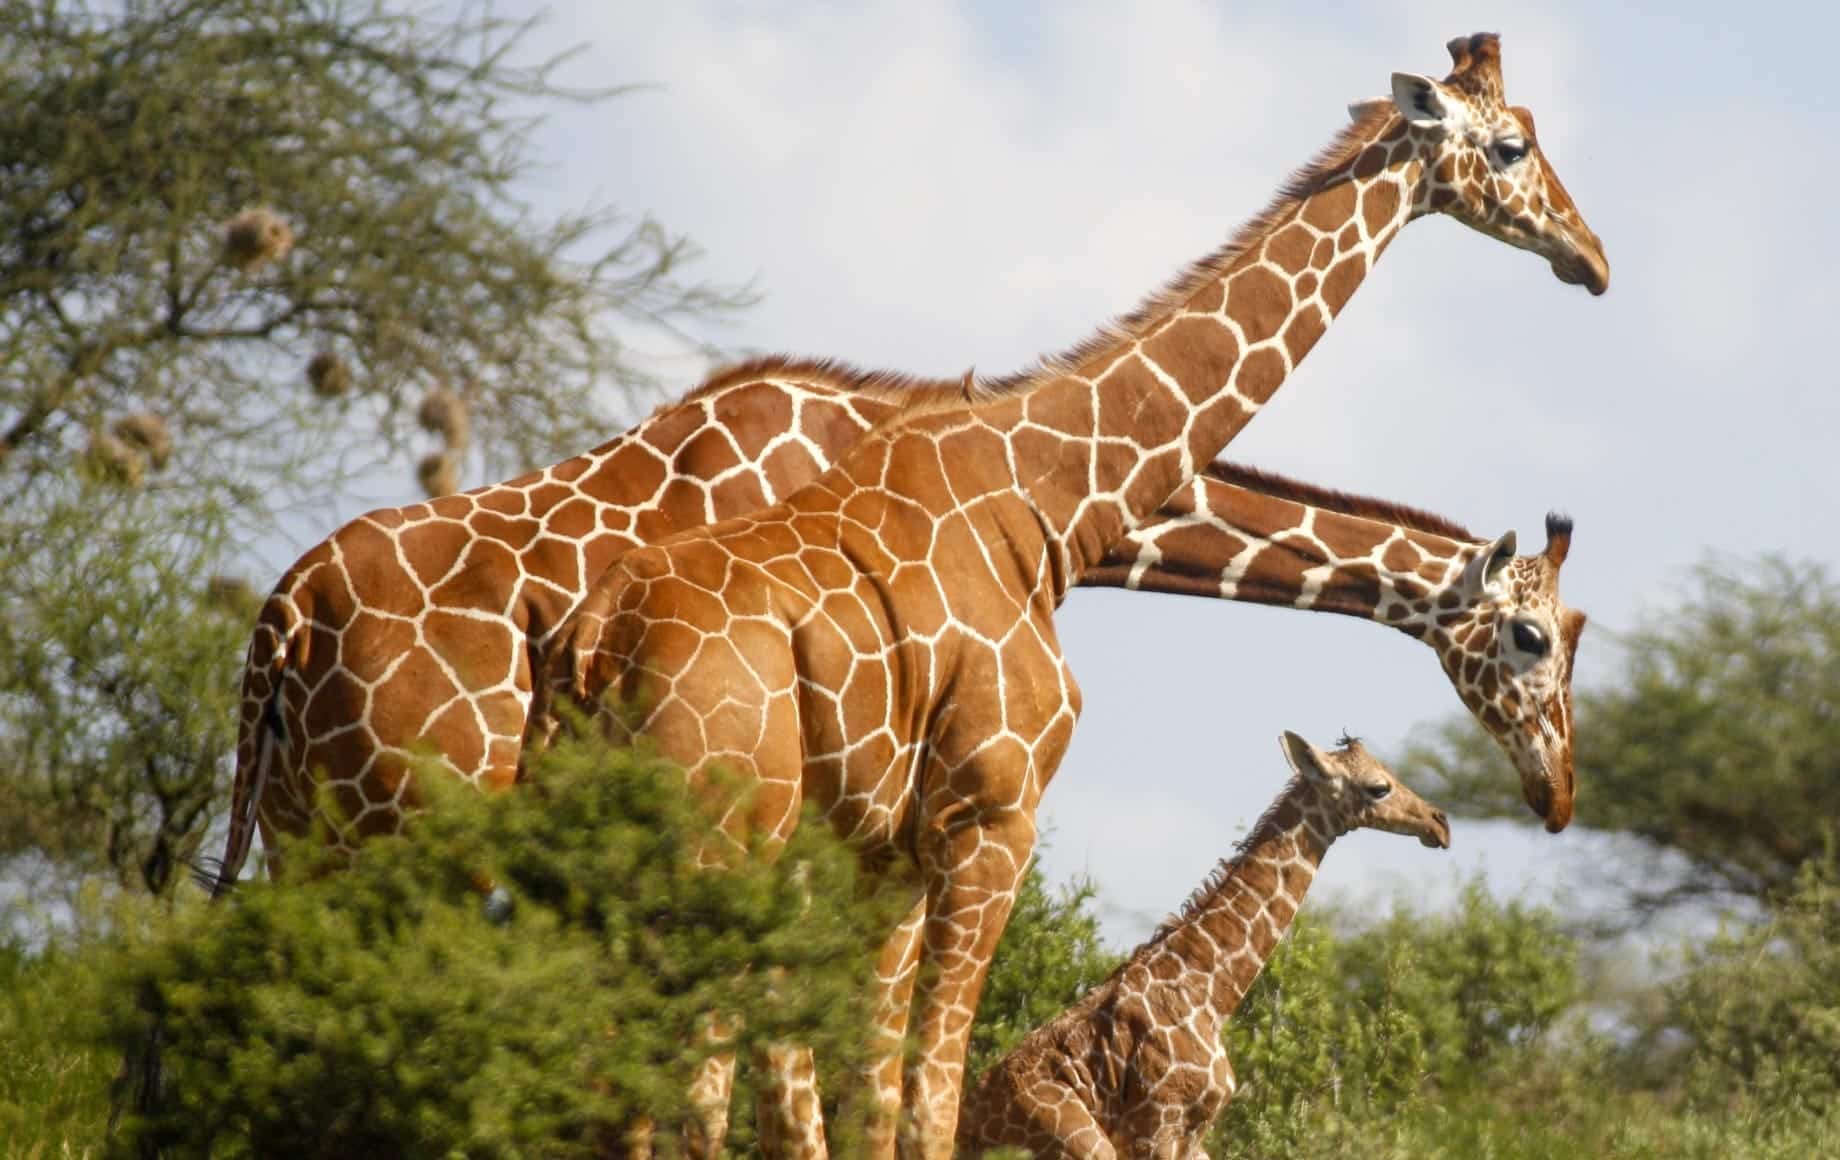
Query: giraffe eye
x,y
1529,639
1509,152
1378,791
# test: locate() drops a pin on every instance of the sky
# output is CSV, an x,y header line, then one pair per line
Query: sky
x,y
928,187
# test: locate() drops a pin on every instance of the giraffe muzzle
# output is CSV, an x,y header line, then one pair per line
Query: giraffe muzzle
x,y
1583,263
1558,811
1554,808
1438,836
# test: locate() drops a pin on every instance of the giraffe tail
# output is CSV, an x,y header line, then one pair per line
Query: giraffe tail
x,y
141,1084
261,738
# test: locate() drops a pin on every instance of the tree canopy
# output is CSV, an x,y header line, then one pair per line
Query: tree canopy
x,y
249,248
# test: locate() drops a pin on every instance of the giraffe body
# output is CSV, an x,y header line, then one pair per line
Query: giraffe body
x,y
1137,1067
882,643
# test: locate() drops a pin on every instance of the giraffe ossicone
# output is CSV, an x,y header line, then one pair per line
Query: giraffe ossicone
x,y
1137,1066
881,641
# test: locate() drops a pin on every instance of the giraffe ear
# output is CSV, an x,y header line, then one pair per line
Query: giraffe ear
x,y
1421,100
1372,106
1499,556
1305,760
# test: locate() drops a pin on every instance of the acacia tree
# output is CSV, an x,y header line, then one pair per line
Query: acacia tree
x,y
247,247
1719,741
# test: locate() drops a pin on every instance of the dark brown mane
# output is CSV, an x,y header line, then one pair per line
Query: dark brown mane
x,y
1199,898
895,385
1365,507
1331,164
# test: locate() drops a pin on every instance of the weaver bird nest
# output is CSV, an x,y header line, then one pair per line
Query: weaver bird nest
x,y
256,237
148,432
439,473
445,414
328,375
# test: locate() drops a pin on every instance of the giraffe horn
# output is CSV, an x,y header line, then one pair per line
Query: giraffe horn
x,y
1558,537
1476,63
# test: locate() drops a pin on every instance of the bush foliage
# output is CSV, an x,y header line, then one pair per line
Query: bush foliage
x,y
1760,1006
378,1011
1364,1024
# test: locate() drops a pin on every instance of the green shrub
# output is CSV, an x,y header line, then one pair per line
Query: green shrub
x,y
1760,1006
54,1083
1588,1119
1342,1029
377,1010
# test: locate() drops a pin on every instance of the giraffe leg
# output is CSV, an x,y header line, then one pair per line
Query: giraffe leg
x,y
878,1098
789,1118
721,707
1076,1136
1164,1132
974,863
896,969
789,1114
1038,1114
711,1090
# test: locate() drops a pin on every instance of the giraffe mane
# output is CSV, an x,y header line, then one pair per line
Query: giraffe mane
x,y
1223,869
1362,506
1331,162
898,386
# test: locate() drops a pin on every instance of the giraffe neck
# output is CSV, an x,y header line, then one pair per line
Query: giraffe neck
x,y
1102,445
1234,534
1229,928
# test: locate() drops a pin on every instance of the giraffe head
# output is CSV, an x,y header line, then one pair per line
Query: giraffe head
x,y
1352,790
1507,645
1485,165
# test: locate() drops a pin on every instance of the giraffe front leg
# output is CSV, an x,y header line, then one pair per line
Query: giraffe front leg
x,y
1173,1127
973,861
787,1113
711,1090
877,1100
1037,1113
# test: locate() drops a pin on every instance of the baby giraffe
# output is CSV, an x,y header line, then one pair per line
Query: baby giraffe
x,y
1137,1067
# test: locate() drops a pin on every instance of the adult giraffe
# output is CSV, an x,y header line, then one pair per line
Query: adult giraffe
x,y
882,640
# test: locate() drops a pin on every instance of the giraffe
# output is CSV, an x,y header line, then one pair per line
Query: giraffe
x,y
881,642
1137,1067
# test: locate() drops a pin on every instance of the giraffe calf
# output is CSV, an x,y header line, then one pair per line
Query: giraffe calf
x,y
1137,1066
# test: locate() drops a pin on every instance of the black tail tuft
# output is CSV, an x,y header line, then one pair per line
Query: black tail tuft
x,y
206,872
